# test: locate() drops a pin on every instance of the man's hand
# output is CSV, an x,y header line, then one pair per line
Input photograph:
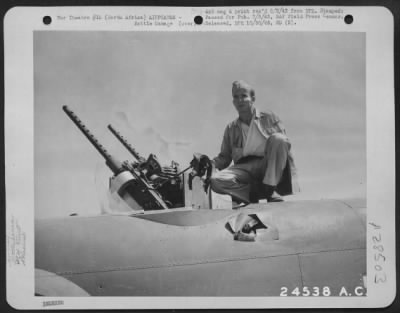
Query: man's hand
x,y
201,165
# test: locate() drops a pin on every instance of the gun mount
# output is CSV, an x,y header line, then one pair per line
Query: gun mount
x,y
145,184
167,180
128,181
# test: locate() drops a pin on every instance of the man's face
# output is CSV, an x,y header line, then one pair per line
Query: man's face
x,y
242,100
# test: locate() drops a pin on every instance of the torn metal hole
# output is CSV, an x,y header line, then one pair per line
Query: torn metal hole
x,y
246,227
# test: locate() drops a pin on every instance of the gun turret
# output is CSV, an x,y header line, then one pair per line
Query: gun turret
x,y
126,181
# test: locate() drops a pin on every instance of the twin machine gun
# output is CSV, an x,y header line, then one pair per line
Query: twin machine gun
x,y
144,181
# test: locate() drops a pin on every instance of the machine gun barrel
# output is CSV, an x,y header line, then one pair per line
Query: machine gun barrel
x,y
126,144
113,164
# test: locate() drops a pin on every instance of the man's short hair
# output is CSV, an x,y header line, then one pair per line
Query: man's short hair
x,y
241,84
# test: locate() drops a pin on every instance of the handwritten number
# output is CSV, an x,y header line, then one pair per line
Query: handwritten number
x,y
379,248
376,239
379,256
381,279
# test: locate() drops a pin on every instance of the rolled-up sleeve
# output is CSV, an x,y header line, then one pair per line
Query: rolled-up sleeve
x,y
278,125
224,158
271,124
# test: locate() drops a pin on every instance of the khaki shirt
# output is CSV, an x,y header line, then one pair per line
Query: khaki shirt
x,y
233,143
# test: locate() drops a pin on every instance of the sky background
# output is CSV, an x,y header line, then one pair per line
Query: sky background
x,y
169,93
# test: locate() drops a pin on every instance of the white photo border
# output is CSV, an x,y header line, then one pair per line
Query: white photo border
x,y
19,24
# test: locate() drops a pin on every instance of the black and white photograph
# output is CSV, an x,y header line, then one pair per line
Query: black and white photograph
x,y
202,163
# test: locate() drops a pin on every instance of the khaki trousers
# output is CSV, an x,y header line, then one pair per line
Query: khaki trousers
x,y
236,180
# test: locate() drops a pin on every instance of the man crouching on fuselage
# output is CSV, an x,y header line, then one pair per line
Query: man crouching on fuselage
x,y
257,143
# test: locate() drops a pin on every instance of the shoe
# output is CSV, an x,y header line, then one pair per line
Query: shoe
x,y
238,202
271,195
253,197
275,198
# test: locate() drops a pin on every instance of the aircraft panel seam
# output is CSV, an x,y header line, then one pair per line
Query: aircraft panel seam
x,y
355,212
301,272
177,264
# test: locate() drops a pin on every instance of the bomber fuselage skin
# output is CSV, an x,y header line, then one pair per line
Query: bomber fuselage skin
x,y
188,252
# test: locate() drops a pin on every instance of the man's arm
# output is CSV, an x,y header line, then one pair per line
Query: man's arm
x,y
224,158
271,123
278,125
